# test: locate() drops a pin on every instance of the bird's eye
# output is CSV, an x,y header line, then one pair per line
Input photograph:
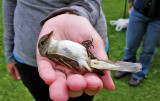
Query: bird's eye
x,y
42,42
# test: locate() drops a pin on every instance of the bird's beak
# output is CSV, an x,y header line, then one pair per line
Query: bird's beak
x,y
50,35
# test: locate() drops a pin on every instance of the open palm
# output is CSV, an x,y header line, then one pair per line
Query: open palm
x,y
70,83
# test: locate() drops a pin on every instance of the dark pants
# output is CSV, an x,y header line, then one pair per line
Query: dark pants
x,y
37,87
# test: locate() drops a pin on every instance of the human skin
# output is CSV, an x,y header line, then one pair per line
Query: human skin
x,y
65,82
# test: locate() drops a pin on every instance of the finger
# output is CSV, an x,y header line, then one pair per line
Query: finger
x,y
76,84
17,75
58,90
74,94
94,84
11,71
99,52
46,71
107,80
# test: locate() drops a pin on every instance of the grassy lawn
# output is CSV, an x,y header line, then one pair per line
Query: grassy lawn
x,y
11,90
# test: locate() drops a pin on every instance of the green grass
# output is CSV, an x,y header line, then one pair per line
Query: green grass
x,y
11,90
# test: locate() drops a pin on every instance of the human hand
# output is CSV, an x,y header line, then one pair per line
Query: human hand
x,y
11,68
70,83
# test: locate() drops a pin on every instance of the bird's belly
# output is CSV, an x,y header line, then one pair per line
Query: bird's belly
x,y
73,52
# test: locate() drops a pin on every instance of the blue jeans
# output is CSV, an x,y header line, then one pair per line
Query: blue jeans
x,y
141,28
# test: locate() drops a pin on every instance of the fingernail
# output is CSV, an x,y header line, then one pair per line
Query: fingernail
x,y
92,87
19,78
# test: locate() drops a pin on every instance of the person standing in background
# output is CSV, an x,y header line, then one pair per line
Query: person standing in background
x,y
144,25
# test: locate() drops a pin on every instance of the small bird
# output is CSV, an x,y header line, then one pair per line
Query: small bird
x,y
78,57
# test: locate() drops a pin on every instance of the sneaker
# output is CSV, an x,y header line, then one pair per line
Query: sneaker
x,y
134,82
119,74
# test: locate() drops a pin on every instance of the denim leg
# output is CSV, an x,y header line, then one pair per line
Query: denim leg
x,y
151,41
135,31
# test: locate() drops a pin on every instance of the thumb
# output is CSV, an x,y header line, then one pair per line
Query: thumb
x,y
100,53
17,75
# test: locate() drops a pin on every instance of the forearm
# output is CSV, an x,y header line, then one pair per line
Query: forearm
x,y
8,16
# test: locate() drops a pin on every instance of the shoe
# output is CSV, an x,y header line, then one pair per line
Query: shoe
x,y
134,82
119,74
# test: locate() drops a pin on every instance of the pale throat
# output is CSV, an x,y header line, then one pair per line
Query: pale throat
x,y
52,44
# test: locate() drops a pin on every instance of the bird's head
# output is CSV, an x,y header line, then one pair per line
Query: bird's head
x,y
44,42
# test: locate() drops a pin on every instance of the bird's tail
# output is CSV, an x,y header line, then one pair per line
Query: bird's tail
x,y
117,66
